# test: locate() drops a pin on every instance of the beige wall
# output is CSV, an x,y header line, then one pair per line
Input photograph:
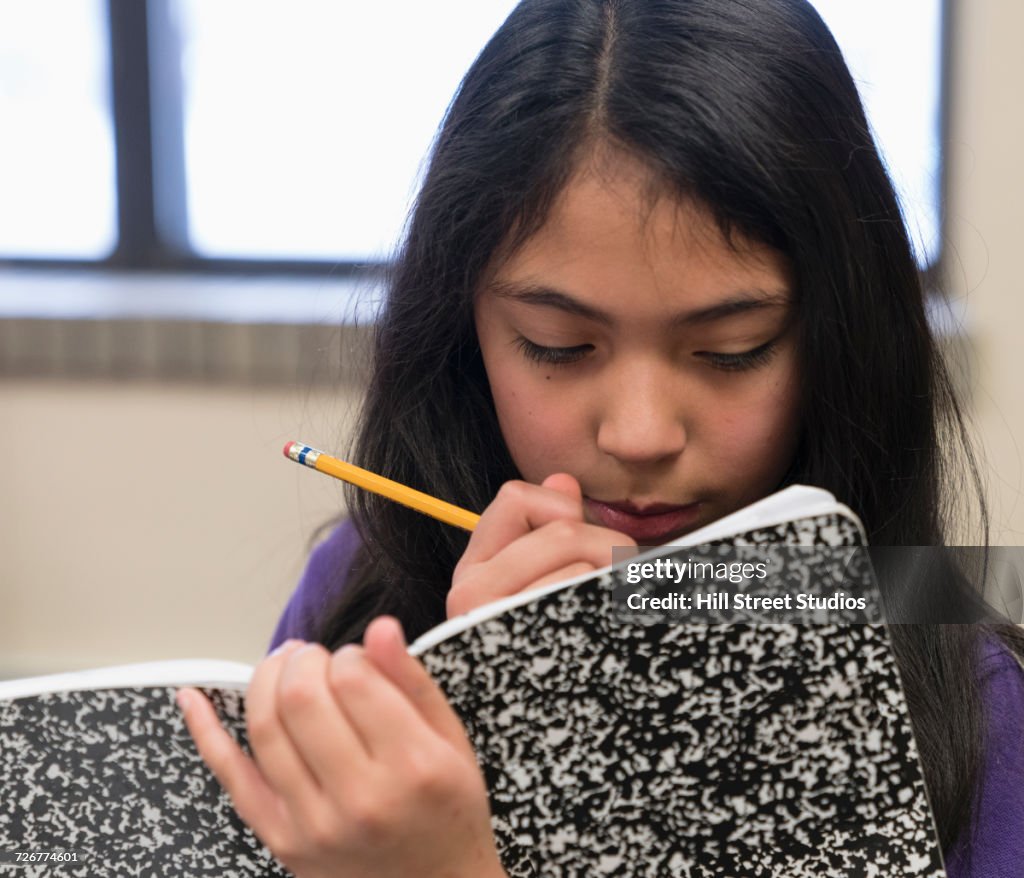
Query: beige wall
x,y
985,240
145,521
142,521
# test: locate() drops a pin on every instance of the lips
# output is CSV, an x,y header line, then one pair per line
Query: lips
x,y
650,524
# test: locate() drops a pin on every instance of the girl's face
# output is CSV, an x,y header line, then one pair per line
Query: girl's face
x,y
636,350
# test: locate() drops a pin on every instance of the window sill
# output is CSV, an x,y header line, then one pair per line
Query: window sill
x,y
183,327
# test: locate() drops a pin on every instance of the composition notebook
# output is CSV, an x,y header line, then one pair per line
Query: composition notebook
x,y
649,719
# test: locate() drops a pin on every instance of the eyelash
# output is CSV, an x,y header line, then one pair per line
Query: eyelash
x,y
759,356
752,359
551,356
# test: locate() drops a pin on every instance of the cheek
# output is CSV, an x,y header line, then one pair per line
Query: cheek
x,y
539,428
761,437
754,434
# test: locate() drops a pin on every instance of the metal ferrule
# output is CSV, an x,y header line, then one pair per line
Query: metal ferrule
x,y
303,454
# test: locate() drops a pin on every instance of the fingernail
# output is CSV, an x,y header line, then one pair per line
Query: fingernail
x,y
400,634
396,629
287,646
184,700
349,652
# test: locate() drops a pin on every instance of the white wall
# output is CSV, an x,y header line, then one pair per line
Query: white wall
x,y
146,521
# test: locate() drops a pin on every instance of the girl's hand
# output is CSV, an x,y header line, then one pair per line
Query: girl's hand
x,y
361,766
530,536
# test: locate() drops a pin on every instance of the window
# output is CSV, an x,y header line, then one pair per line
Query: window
x,y
894,51
57,152
258,135
308,144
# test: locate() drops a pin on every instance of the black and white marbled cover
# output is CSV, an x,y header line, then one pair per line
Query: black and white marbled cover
x,y
680,749
112,775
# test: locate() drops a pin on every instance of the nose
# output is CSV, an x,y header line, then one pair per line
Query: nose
x,y
641,421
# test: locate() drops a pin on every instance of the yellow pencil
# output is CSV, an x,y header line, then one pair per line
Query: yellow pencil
x,y
362,478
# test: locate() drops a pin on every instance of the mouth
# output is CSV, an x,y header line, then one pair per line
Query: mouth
x,y
650,524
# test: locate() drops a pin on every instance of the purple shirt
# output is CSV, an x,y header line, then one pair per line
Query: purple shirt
x,y
997,847
321,584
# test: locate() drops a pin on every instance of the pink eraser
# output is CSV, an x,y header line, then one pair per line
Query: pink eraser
x,y
287,449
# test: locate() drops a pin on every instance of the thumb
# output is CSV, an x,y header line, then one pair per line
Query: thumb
x,y
384,644
564,484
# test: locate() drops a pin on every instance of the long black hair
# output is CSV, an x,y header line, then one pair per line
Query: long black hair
x,y
743,107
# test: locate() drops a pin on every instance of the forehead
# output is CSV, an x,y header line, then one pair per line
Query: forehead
x,y
611,237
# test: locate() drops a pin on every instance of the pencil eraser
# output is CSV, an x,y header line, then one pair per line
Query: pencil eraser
x,y
288,448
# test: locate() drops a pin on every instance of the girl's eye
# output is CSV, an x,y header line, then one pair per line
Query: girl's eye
x,y
752,359
552,356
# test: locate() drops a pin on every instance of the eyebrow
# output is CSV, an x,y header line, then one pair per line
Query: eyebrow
x,y
741,302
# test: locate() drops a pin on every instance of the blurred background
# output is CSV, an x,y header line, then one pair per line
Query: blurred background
x,y
196,198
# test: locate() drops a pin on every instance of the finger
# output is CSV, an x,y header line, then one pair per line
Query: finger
x,y
253,799
568,572
519,508
564,484
387,721
278,759
531,558
319,730
386,648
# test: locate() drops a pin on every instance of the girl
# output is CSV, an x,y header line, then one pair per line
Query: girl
x,y
656,271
